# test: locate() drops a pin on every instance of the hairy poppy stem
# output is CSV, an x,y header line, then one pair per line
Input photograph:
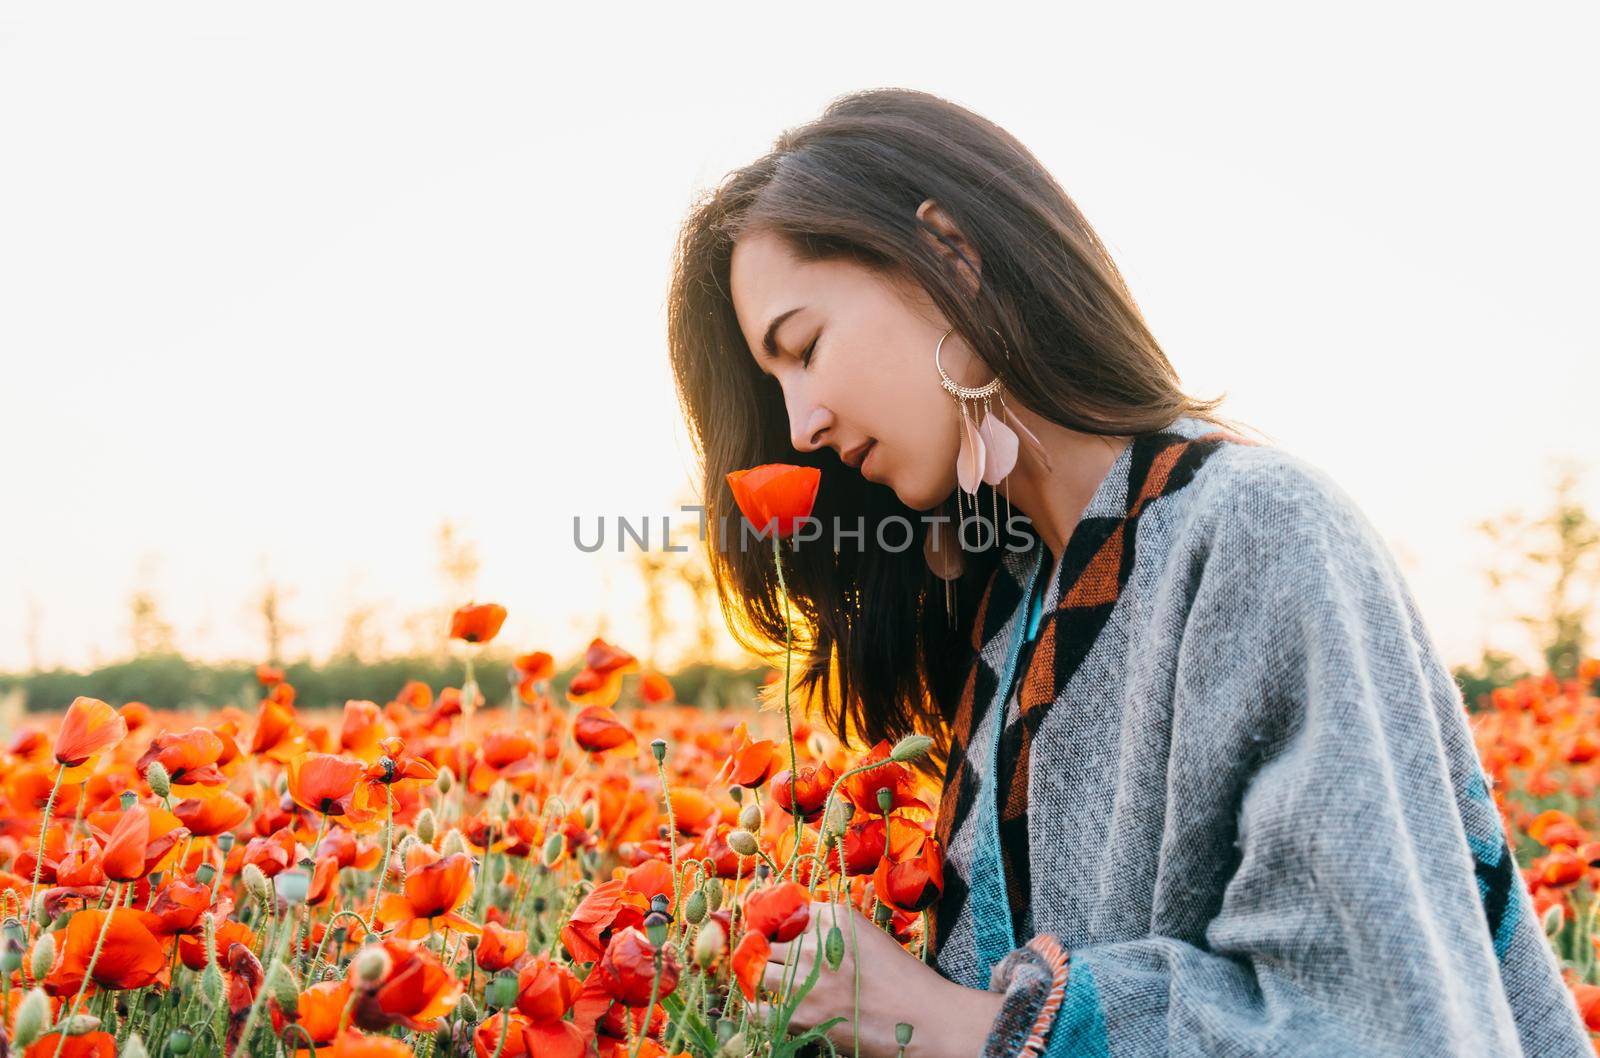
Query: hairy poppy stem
x,y
672,833
788,721
38,864
388,851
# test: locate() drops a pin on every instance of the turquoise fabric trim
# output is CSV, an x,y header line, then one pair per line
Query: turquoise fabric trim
x,y
986,897
1079,1030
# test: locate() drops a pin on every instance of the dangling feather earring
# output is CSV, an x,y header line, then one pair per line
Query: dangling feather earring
x,y
988,453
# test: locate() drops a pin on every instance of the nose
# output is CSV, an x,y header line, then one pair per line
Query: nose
x,y
808,423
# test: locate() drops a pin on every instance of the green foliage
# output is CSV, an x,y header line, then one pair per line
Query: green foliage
x,y
171,681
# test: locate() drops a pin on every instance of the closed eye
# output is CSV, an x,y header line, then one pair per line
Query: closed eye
x,y
805,357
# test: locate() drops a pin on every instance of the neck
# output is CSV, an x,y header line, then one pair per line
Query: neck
x,y
1054,499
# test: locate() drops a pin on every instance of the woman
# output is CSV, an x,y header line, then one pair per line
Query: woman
x,y
1208,788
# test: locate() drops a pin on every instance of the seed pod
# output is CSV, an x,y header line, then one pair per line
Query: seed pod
x,y
133,1047
32,1017
833,947
501,992
294,886
181,1041
694,908
734,1046
885,799
902,1033
742,842
44,955
160,782
427,826
750,817
658,749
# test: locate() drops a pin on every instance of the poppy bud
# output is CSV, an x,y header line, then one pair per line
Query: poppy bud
x,y
658,749
10,956
591,815
554,846
709,943
371,964
1552,921
836,818
910,748
713,890
12,931
742,842
32,1017
555,806
833,947
882,915
282,987
44,955
737,793
160,782
750,817
211,983
447,779
181,1041
427,826
133,1047
694,908
467,1009
454,843
80,1024
734,1047
255,882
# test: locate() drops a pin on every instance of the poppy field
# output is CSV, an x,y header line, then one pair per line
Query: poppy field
x,y
602,874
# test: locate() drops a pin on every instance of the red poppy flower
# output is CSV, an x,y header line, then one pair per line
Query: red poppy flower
x,y
89,728
327,784
775,494
190,758
863,845
500,948
179,905
546,990
434,888
477,623
630,966
138,842
752,762
806,796
911,874
320,1007
278,735
131,956
90,1045
656,689
778,912
192,947
899,779
535,666
597,730
599,682
750,961
416,992
209,816
608,908
355,1045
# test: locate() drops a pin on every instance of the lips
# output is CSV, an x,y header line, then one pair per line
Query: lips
x,y
858,454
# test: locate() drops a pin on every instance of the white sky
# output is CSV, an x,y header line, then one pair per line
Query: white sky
x,y
282,287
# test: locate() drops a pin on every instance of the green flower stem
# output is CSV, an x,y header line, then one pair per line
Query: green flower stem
x,y
38,864
650,1007
388,851
788,661
672,837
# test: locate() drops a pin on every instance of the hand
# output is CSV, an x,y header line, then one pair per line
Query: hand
x,y
948,1020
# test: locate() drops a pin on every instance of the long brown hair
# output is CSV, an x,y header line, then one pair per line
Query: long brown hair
x,y
875,644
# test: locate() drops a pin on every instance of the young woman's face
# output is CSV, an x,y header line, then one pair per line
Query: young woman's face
x,y
868,387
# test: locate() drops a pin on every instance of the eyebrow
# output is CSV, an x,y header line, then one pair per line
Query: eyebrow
x,y
769,341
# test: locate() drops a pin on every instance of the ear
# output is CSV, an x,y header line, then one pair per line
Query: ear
x,y
949,240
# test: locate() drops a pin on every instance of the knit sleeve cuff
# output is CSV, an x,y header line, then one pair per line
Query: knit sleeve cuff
x,y
1033,979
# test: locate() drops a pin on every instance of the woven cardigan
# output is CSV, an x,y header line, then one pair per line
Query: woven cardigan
x,y
1232,777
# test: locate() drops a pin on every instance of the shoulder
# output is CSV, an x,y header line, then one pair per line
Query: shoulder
x,y
1273,506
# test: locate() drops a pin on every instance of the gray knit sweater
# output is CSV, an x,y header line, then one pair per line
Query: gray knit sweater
x,y
1232,776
